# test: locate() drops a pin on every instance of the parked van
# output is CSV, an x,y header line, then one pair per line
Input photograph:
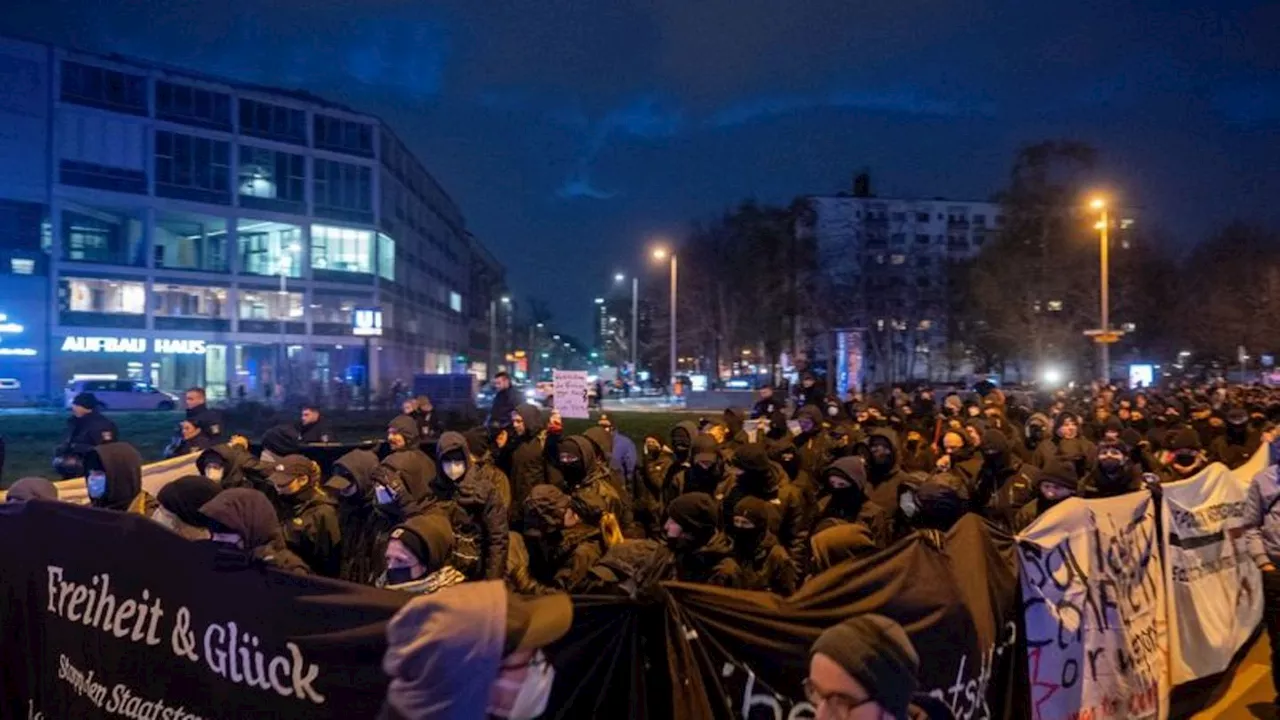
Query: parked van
x,y
122,395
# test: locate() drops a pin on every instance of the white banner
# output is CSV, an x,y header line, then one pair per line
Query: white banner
x,y
1093,597
154,476
1214,589
571,393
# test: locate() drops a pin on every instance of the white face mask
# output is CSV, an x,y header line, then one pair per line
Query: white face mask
x,y
908,504
165,519
455,469
268,456
535,691
833,411
213,472
384,495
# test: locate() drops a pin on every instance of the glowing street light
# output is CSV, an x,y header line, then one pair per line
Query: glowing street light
x,y
660,253
619,278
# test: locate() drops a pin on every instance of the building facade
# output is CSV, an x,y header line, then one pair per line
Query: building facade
x,y
891,257
186,230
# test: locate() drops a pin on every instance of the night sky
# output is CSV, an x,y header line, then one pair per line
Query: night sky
x,y
573,132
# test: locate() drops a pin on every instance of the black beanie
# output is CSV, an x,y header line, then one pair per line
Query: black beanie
x,y
85,400
477,442
696,512
184,497
994,441
1060,473
753,458
429,537
876,652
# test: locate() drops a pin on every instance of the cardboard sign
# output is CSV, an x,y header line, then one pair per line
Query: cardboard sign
x,y
571,389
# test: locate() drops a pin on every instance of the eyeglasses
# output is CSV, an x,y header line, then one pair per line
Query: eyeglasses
x,y
838,704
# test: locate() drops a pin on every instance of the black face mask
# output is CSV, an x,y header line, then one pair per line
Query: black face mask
x,y
652,453
1111,469
746,541
1035,433
993,460
681,452
574,473
791,463
400,575
681,545
1186,459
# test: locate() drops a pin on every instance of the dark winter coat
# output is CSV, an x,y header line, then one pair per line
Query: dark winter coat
x,y
852,504
122,465
85,433
363,529
311,529
475,511
792,516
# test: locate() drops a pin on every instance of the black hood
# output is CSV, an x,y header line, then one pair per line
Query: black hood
x,y
282,440
246,512
814,414
408,429
688,427
601,441
532,418
854,470
892,436
123,467
415,472
231,457
735,419
357,467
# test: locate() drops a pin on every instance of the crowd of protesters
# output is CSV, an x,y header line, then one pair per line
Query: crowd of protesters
x,y
758,499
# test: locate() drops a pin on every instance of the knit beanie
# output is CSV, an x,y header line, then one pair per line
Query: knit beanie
x,y
876,652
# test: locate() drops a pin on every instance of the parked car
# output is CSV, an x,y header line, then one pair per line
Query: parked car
x,y
122,395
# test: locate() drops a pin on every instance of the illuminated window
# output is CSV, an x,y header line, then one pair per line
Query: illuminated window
x,y
341,249
897,259
455,302
386,258
1055,306
104,296
22,266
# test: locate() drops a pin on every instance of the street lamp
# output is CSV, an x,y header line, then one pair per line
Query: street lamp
x,y
493,333
1104,335
660,254
619,278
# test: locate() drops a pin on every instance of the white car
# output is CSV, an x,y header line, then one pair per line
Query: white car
x,y
122,395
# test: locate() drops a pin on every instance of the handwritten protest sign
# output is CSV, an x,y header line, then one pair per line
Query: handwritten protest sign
x,y
1093,600
571,393
1215,590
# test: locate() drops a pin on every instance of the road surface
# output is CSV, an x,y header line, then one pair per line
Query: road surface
x,y
1249,693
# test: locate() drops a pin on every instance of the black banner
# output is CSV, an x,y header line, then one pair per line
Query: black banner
x,y
956,596
108,615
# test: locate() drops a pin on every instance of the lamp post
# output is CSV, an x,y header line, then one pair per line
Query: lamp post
x,y
635,314
1104,336
493,334
661,254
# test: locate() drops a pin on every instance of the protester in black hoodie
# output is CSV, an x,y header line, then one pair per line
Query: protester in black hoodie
x,y
244,526
364,531
1055,484
784,453
845,501
755,476
231,465
602,443
1185,458
841,542
520,456
1004,483
935,504
563,545
180,502
705,472
1237,443
474,509
114,479
692,533
758,562
1066,447
587,480
401,482
882,468
308,516
735,420
1114,472
815,452
279,441
656,462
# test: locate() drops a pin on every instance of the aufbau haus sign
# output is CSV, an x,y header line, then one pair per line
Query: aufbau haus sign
x,y
160,346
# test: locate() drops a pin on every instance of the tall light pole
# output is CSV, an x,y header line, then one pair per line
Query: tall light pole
x,y
635,314
493,334
662,254
1105,337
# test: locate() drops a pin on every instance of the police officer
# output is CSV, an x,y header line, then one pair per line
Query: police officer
x,y
88,427
313,428
308,516
198,412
